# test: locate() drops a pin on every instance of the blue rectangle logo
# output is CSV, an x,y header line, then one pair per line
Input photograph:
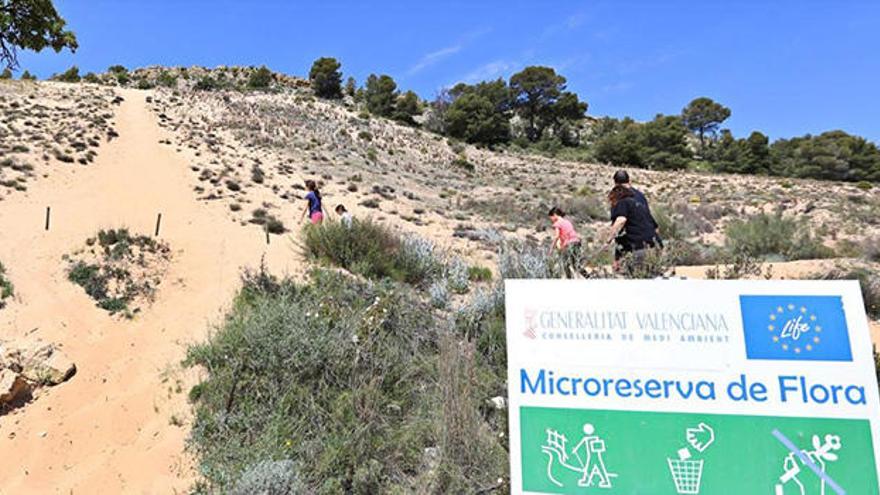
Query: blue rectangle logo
x,y
810,328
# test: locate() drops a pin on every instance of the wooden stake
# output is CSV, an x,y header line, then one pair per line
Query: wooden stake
x,y
158,223
48,213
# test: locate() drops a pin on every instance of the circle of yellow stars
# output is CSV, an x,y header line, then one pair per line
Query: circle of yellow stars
x,y
793,309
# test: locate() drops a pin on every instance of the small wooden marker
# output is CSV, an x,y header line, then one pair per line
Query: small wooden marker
x,y
158,223
267,234
48,212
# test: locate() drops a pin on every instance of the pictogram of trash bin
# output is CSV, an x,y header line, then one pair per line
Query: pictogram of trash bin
x,y
686,474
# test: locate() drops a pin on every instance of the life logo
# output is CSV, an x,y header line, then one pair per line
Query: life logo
x,y
811,328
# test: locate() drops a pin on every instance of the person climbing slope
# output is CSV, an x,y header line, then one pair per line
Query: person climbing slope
x,y
313,207
632,227
567,242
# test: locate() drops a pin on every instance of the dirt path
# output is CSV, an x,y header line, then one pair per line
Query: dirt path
x,y
109,429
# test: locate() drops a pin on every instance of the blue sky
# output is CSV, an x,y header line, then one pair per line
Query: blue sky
x,y
786,68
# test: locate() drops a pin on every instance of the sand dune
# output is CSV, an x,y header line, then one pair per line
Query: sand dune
x,y
108,429
120,424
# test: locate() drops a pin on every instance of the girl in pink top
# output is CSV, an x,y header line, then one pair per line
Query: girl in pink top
x,y
568,242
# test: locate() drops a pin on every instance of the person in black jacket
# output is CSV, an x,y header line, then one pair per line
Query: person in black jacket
x,y
621,178
632,227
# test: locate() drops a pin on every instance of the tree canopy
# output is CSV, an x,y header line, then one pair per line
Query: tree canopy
x,y
540,99
31,25
703,116
325,78
380,94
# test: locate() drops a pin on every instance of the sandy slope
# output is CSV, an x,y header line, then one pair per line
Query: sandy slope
x,y
108,429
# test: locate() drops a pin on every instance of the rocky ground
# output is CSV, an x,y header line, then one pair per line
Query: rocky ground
x,y
50,125
252,152
224,168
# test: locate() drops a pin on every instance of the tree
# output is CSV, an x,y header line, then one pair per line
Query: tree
x,y
832,155
325,78
27,76
260,78
90,77
350,86
478,113
703,116
31,25
663,143
617,142
659,144
475,118
6,74
380,94
406,107
71,75
540,99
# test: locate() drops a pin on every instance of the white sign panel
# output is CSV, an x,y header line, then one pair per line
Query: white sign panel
x,y
691,387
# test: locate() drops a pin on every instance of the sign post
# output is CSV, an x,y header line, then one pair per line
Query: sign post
x,y
691,387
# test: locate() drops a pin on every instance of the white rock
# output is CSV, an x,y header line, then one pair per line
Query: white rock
x,y
498,402
41,363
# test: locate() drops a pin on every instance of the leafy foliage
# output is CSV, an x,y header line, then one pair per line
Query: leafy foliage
x,y
380,95
833,155
703,116
119,270
71,75
325,77
659,144
766,235
31,25
478,113
7,290
260,78
540,99
374,251
406,107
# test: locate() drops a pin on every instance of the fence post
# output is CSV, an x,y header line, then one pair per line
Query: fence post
x,y
158,223
48,212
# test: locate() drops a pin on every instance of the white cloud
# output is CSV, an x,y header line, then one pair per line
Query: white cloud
x,y
490,70
432,58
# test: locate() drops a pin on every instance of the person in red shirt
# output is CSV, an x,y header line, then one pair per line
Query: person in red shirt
x,y
568,242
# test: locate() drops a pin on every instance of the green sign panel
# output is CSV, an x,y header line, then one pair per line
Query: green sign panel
x,y
577,451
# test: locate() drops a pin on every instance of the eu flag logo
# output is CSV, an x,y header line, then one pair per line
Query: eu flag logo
x,y
811,328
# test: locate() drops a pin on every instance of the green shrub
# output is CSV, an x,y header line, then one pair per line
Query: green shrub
x,y
479,274
91,77
366,247
260,78
71,75
774,236
6,74
166,79
331,374
117,270
206,83
7,290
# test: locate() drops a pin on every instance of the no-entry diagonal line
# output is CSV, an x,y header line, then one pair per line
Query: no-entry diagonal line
x,y
807,462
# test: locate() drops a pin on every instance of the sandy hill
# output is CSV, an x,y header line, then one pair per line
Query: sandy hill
x,y
223,168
